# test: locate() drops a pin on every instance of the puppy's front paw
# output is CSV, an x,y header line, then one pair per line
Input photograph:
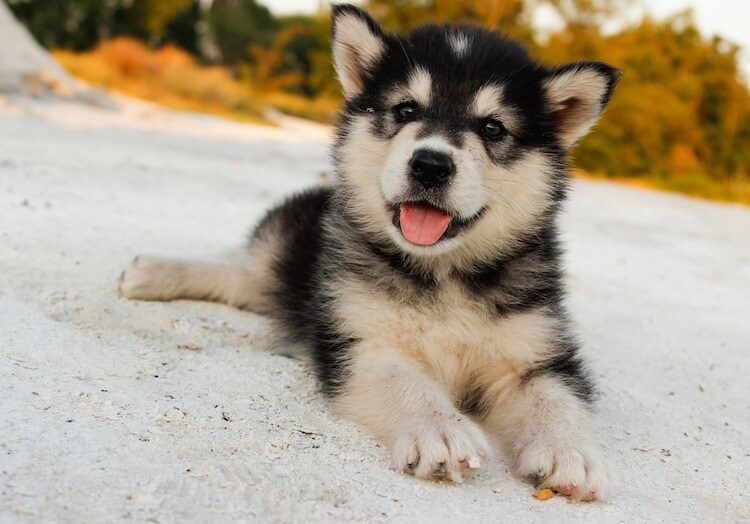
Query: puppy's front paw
x,y
441,447
573,469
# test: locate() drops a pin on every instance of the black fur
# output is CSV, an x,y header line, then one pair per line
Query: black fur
x,y
298,224
300,306
568,366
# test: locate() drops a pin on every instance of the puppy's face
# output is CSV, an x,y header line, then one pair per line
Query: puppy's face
x,y
453,139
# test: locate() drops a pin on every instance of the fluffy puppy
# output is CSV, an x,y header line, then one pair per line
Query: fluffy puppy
x,y
426,278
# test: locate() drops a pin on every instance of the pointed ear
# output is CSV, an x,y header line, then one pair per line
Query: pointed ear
x,y
358,43
577,94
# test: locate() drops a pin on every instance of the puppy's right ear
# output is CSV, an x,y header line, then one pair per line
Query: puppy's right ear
x,y
358,43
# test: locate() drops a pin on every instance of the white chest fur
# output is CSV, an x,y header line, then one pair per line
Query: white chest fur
x,y
456,338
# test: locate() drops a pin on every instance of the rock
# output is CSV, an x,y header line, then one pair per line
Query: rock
x,y
26,68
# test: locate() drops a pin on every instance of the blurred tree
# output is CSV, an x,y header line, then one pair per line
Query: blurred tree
x,y
586,13
81,24
147,19
73,24
184,29
512,16
271,70
236,24
304,49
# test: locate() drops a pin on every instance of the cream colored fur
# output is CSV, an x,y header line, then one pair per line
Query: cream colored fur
x,y
413,366
578,94
515,197
407,379
354,50
394,397
488,103
242,284
546,432
154,278
417,89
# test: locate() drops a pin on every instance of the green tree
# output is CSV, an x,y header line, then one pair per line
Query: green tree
x,y
81,24
148,19
73,24
236,24
183,29
303,50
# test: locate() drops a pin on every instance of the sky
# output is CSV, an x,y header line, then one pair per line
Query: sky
x,y
728,18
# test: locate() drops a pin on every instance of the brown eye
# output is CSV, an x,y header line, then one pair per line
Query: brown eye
x,y
405,112
493,129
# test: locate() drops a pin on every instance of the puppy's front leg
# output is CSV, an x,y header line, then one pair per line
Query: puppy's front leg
x,y
393,396
546,430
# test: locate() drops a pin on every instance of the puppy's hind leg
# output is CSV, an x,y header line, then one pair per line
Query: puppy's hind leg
x,y
154,278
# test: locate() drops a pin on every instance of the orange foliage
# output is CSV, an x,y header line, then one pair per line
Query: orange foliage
x,y
268,71
683,160
168,76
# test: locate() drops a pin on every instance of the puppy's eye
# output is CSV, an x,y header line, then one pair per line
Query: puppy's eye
x,y
405,112
493,129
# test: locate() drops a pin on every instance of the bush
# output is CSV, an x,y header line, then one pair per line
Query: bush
x,y
168,76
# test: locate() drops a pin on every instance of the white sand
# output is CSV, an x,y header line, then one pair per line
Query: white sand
x,y
104,416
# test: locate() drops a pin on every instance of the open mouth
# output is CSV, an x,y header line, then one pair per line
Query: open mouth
x,y
425,225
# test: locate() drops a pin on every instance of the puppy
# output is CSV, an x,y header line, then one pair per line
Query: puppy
x,y
426,279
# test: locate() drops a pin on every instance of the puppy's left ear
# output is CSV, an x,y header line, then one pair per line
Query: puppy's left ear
x,y
358,43
577,94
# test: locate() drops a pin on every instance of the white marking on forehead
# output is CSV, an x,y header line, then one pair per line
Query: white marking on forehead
x,y
460,44
418,88
435,143
489,102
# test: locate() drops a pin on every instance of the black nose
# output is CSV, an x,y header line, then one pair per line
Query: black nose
x,y
430,168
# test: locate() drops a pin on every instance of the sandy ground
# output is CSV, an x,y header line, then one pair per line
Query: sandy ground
x,y
117,410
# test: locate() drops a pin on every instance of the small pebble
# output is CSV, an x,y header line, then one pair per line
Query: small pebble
x,y
544,494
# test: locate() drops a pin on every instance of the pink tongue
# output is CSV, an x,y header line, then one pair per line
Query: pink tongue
x,y
423,225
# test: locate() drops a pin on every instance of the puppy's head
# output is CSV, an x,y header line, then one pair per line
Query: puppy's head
x,y
453,139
